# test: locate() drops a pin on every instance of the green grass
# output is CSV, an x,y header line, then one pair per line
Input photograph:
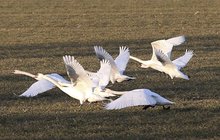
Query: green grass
x,y
35,34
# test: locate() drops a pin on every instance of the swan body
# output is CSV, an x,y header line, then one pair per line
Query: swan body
x,y
161,58
118,65
138,97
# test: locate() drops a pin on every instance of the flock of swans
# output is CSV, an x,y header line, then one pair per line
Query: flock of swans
x,y
91,86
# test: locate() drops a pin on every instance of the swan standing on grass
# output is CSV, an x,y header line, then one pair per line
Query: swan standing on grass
x,y
160,59
138,97
118,65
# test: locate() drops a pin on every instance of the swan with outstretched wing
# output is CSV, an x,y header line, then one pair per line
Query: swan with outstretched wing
x,y
118,65
161,58
138,97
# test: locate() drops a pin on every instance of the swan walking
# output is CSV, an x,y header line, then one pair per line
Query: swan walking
x,y
161,58
138,97
118,65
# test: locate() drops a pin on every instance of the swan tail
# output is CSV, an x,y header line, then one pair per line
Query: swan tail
x,y
183,76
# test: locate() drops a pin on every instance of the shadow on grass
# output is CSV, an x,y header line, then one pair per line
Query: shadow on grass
x,y
57,49
153,123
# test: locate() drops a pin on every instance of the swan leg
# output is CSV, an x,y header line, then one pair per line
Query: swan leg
x,y
80,105
147,106
166,108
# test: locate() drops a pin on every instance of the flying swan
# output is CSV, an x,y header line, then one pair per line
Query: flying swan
x,y
161,58
138,97
80,86
49,81
118,65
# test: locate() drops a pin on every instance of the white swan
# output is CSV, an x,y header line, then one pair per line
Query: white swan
x,y
161,55
118,65
80,86
169,67
138,97
41,85
100,80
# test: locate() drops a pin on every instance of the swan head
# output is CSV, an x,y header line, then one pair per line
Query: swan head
x,y
124,78
119,80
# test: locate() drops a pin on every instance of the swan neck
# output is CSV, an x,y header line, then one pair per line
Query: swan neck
x,y
52,81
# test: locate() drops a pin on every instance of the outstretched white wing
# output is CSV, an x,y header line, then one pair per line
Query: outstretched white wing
x,y
175,41
131,98
183,60
42,86
166,46
159,99
79,78
138,97
122,59
161,57
104,74
102,54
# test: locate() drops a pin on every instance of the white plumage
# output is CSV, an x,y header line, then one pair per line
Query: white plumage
x,y
161,58
80,86
101,78
138,97
166,46
41,85
183,60
99,81
118,65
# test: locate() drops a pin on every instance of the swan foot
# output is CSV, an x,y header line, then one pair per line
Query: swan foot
x,y
147,106
166,108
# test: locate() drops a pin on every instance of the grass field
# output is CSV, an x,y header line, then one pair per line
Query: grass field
x,y
35,34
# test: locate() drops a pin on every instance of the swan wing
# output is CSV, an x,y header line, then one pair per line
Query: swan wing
x,y
183,60
102,54
131,98
166,46
42,86
161,57
175,41
159,99
104,74
37,88
122,59
76,73
162,45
